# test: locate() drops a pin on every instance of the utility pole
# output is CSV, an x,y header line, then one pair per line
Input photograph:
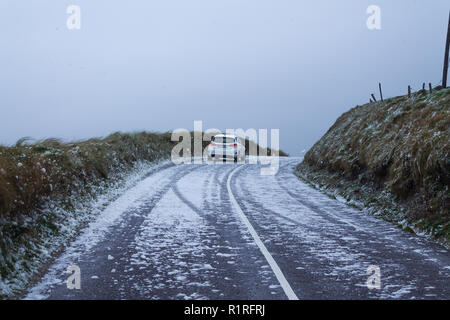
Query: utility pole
x,y
444,77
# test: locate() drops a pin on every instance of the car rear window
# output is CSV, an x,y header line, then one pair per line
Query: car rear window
x,y
223,140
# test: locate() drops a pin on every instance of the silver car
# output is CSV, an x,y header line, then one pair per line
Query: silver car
x,y
224,147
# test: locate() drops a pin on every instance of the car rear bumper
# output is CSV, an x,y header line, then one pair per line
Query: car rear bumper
x,y
223,152
223,156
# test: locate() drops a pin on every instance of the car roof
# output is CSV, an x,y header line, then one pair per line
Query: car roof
x,y
225,136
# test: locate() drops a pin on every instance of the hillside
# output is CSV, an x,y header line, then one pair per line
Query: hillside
x,y
391,157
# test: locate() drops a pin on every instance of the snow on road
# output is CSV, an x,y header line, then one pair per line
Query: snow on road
x,y
179,235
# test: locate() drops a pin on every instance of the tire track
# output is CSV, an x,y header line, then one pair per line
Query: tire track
x,y
117,242
402,266
226,226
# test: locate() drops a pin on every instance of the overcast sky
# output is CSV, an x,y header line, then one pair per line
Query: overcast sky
x,y
159,65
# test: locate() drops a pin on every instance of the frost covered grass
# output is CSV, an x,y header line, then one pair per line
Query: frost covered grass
x,y
49,190
392,157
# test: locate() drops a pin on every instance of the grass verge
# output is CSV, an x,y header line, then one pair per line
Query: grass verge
x,y
392,157
49,190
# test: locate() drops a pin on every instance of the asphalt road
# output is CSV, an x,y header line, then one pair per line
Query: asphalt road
x,y
224,231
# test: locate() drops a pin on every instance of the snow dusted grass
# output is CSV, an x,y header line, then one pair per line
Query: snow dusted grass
x,y
392,157
49,190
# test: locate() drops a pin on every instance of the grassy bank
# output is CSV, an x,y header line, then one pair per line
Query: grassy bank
x,y
391,157
49,190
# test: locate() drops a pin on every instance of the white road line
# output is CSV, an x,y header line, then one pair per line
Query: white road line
x,y
275,268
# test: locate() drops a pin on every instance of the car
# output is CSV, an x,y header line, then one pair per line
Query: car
x,y
224,147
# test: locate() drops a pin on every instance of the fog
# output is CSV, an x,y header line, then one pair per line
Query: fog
x,y
159,65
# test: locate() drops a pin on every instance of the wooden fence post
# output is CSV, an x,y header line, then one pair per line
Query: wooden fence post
x,y
381,92
373,97
409,91
431,88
